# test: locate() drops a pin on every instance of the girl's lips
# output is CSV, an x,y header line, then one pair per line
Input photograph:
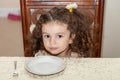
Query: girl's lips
x,y
53,48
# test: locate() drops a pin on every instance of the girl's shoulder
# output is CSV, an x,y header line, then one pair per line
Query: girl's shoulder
x,y
40,53
75,55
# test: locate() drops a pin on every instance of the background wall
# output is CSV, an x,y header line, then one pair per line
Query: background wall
x,y
111,27
111,38
9,4
11,40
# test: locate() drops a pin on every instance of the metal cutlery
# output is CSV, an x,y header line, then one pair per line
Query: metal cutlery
x,y
15,73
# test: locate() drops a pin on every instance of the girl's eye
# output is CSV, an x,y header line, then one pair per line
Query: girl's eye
x,y
60,36
46,36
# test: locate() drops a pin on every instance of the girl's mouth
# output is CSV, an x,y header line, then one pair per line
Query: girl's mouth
x,y
53,48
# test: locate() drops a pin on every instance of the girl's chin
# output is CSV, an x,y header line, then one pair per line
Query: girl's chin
x,y
55,53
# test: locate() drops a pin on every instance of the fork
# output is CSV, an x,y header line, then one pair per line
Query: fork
x,y
15,73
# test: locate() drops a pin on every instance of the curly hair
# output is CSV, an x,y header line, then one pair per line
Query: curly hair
x,y
78,24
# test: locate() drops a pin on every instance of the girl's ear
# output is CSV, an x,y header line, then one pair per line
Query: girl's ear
x,y
72,37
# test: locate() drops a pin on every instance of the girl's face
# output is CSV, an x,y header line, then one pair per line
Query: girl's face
x,y
56,37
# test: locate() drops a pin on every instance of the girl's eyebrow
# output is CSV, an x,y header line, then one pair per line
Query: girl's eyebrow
x,y
56,33
44,32
60,33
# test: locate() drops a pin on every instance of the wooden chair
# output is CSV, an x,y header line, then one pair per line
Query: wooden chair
x,y
93,8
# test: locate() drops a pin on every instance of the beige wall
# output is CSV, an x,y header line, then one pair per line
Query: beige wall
x,y
111,37
9,3
11,40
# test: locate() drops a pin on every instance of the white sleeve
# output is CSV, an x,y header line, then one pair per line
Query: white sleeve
x,y
38,54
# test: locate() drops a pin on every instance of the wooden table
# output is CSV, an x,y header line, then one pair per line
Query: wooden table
x,y
76,69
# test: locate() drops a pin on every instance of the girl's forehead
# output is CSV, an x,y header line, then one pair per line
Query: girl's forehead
x,y
55,24
55,27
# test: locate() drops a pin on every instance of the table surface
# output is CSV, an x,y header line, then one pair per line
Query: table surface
x,y
76,69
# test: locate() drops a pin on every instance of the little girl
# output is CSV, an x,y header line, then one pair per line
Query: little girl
x,y
63,32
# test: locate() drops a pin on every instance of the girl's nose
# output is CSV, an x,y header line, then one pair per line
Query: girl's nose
x,y
52,41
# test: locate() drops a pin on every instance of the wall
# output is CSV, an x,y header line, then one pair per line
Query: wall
x,y
111,38
11,40
9,3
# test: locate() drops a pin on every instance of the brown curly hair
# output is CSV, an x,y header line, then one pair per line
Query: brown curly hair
x,y
78,24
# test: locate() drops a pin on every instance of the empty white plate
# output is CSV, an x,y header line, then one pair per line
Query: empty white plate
x,y
44,65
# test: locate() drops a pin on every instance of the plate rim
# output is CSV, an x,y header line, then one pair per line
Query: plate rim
x,y
63,66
